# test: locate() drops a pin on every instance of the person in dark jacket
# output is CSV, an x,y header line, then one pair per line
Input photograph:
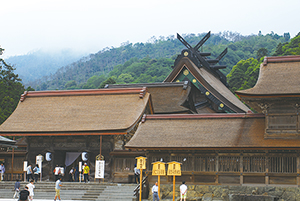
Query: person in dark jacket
x,y
17,189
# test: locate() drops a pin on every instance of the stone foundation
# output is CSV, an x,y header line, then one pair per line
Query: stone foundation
x,y
231,193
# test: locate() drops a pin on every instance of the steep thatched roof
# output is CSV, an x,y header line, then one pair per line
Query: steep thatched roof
x,y
210,83
110,111
278,76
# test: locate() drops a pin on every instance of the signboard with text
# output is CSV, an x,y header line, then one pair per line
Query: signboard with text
x,y
99,169
174,168
158,168
141,162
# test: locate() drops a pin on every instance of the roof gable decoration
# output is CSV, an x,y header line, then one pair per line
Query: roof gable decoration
x,y
200,59
186,74
212,88
194,65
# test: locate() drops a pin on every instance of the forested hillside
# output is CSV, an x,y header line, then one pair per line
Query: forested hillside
x,y
245,73
133,62
39,63
139,64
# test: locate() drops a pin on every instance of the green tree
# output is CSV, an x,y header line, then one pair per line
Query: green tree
x,y
70,84
261,53
109,80
244,74
11,89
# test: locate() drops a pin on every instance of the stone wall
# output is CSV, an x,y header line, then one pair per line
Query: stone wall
x,y
228,193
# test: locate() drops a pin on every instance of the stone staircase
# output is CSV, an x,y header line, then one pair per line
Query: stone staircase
x,y
75,191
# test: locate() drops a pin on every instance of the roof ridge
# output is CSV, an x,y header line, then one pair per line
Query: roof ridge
x,y
278,59
203,116
141,91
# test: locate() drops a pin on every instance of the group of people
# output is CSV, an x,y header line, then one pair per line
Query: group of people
x,y
33,173
73,173
28,193
183,191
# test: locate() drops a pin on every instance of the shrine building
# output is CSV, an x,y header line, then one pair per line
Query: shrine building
x,y
192,117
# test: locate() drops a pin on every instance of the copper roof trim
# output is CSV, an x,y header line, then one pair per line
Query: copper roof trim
x,y
293,58
141,91
204,116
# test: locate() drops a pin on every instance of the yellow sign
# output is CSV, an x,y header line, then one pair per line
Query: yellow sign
x,y
141,162
158,168
174,168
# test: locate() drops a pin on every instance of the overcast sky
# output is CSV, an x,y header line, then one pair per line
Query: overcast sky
x,y
91,25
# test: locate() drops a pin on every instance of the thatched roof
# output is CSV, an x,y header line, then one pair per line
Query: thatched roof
x,y
90,112
211,84
278,76
213,131
166,97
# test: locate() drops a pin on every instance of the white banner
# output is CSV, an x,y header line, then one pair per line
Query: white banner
x,y
25,164
99,169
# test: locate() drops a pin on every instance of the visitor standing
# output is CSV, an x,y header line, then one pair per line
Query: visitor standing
x,y
86,173
155,192
57,189
183,191
76,173
56,172
29,173
30,189
137,173
17,189
36,172
2,170
71,174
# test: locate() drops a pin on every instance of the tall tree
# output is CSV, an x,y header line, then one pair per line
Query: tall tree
x,y
11,89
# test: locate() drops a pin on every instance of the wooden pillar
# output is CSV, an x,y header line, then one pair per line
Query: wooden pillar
x,y
217,168
241,169
267,169
173,187
100,146
12,162
298,169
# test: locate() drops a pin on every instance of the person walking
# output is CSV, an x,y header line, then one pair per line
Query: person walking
x,y
183,191
76,174
2,171
36,172
71,174
137,173
30,189
57,189
86,173
155,191
56,172
17,189
29,173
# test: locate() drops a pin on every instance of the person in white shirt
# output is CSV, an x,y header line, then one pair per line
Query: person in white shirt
x,y
30,187
2,170
183,191
137,173
155,192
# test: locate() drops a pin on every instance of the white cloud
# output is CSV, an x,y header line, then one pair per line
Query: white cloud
x,y
92,25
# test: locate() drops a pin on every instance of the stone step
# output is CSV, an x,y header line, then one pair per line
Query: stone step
x,y
75,191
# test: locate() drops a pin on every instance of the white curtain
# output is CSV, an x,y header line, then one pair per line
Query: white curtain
x,y
71,157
